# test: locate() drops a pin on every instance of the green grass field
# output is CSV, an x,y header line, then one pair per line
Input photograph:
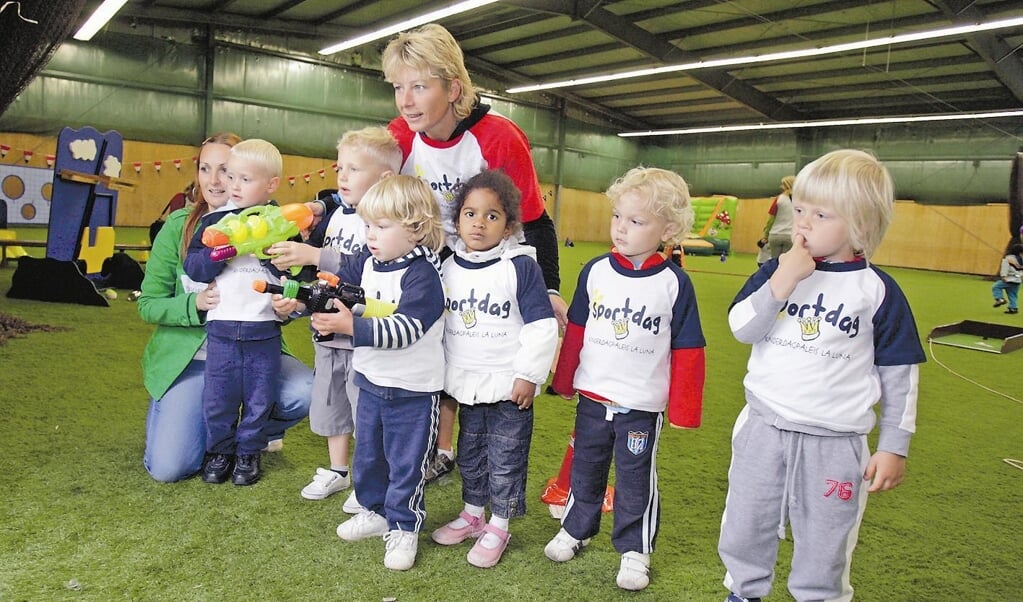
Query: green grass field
x,y
81,519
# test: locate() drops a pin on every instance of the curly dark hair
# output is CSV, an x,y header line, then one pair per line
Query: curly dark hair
x,y
499,182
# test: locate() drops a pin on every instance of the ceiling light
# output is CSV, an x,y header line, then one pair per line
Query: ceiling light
x,y
99,18
824,123
778,56
436,15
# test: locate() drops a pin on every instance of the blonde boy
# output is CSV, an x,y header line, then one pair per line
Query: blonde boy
x,y
364,157
831,335
243,335
633,349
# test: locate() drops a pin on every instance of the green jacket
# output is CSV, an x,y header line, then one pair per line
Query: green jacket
x,y
180,327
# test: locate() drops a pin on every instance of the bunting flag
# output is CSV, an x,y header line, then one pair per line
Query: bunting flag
x,y
27,156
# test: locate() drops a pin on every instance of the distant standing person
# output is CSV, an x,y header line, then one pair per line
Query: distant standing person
x,y
778,230
1009,277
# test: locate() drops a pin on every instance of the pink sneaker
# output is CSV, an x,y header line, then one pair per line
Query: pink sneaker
x,y
484,557
449,536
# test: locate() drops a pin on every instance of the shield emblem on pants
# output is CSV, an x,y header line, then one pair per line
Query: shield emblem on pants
x,y
637,442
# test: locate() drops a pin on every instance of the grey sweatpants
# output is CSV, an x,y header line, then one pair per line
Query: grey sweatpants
x,y
813,482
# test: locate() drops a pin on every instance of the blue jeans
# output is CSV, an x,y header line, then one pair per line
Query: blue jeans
x,y
1011,291
493,456
176,435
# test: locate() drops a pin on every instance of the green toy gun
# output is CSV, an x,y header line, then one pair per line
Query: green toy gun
x,y
255,229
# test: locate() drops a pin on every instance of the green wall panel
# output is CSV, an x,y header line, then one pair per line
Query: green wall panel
x,y
134,60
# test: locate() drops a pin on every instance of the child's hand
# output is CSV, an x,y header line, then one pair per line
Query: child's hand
x,y
794,266
289,253
209,298
886,470
523,392
560,311
341,322
284,306
317,210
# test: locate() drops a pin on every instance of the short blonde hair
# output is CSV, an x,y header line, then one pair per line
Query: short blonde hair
x,y
666,194
431,49
262,153
858,187
377,142
408,201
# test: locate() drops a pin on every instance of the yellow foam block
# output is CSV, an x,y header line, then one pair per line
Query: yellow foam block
x,y
93,255
12,252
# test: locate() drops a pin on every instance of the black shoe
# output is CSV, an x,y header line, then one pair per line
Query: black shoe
x,y
999,302
1012,311
246,469
216,467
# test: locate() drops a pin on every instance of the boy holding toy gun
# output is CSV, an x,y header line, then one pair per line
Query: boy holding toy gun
x,y
243,343
364,157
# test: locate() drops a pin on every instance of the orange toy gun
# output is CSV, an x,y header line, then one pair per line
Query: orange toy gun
x,y
322,296
255,229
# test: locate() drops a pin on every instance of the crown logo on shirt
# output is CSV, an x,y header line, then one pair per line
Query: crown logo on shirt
x,y
810,327
468,317
621,328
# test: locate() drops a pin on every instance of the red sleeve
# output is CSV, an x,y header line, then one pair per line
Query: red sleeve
x,y
568,361
401,132
685,395
506,147
774,207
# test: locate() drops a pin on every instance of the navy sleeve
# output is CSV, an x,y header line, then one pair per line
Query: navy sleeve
x,y
896,340
579,310
534,304
197,263
686,332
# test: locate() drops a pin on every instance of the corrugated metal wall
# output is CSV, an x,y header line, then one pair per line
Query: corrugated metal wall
x,y
154,88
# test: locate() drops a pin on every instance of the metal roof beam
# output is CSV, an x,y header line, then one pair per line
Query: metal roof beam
x,y
998,55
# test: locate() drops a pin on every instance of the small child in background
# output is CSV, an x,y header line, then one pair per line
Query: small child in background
x,y
398,362
243,335
1009,277
633,348
499,340
364,157
831,334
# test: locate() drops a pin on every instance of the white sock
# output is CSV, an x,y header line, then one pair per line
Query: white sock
x,y
489,540
447,453
469,509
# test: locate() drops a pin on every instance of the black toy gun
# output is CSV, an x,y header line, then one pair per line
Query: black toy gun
x,y
323,295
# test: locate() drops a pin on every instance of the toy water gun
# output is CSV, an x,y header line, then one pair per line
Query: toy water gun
x,y
255,229
322,296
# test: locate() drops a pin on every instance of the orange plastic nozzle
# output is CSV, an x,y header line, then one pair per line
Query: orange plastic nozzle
x,y
298,214
331,279
214,238
259,286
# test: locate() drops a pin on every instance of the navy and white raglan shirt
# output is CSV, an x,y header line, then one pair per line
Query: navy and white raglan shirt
x,y
341,233
238,301
634,339
821,359
403,351
499,324
483,140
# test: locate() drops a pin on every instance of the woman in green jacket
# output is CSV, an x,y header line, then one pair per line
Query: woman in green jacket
x,y
174,358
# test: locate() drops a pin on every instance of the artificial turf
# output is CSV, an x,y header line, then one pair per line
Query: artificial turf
x,y
81,519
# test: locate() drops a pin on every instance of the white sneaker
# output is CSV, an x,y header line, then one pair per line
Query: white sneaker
x,y
363,525
401,548
634,573
352,505
274,446
325,483
564,547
